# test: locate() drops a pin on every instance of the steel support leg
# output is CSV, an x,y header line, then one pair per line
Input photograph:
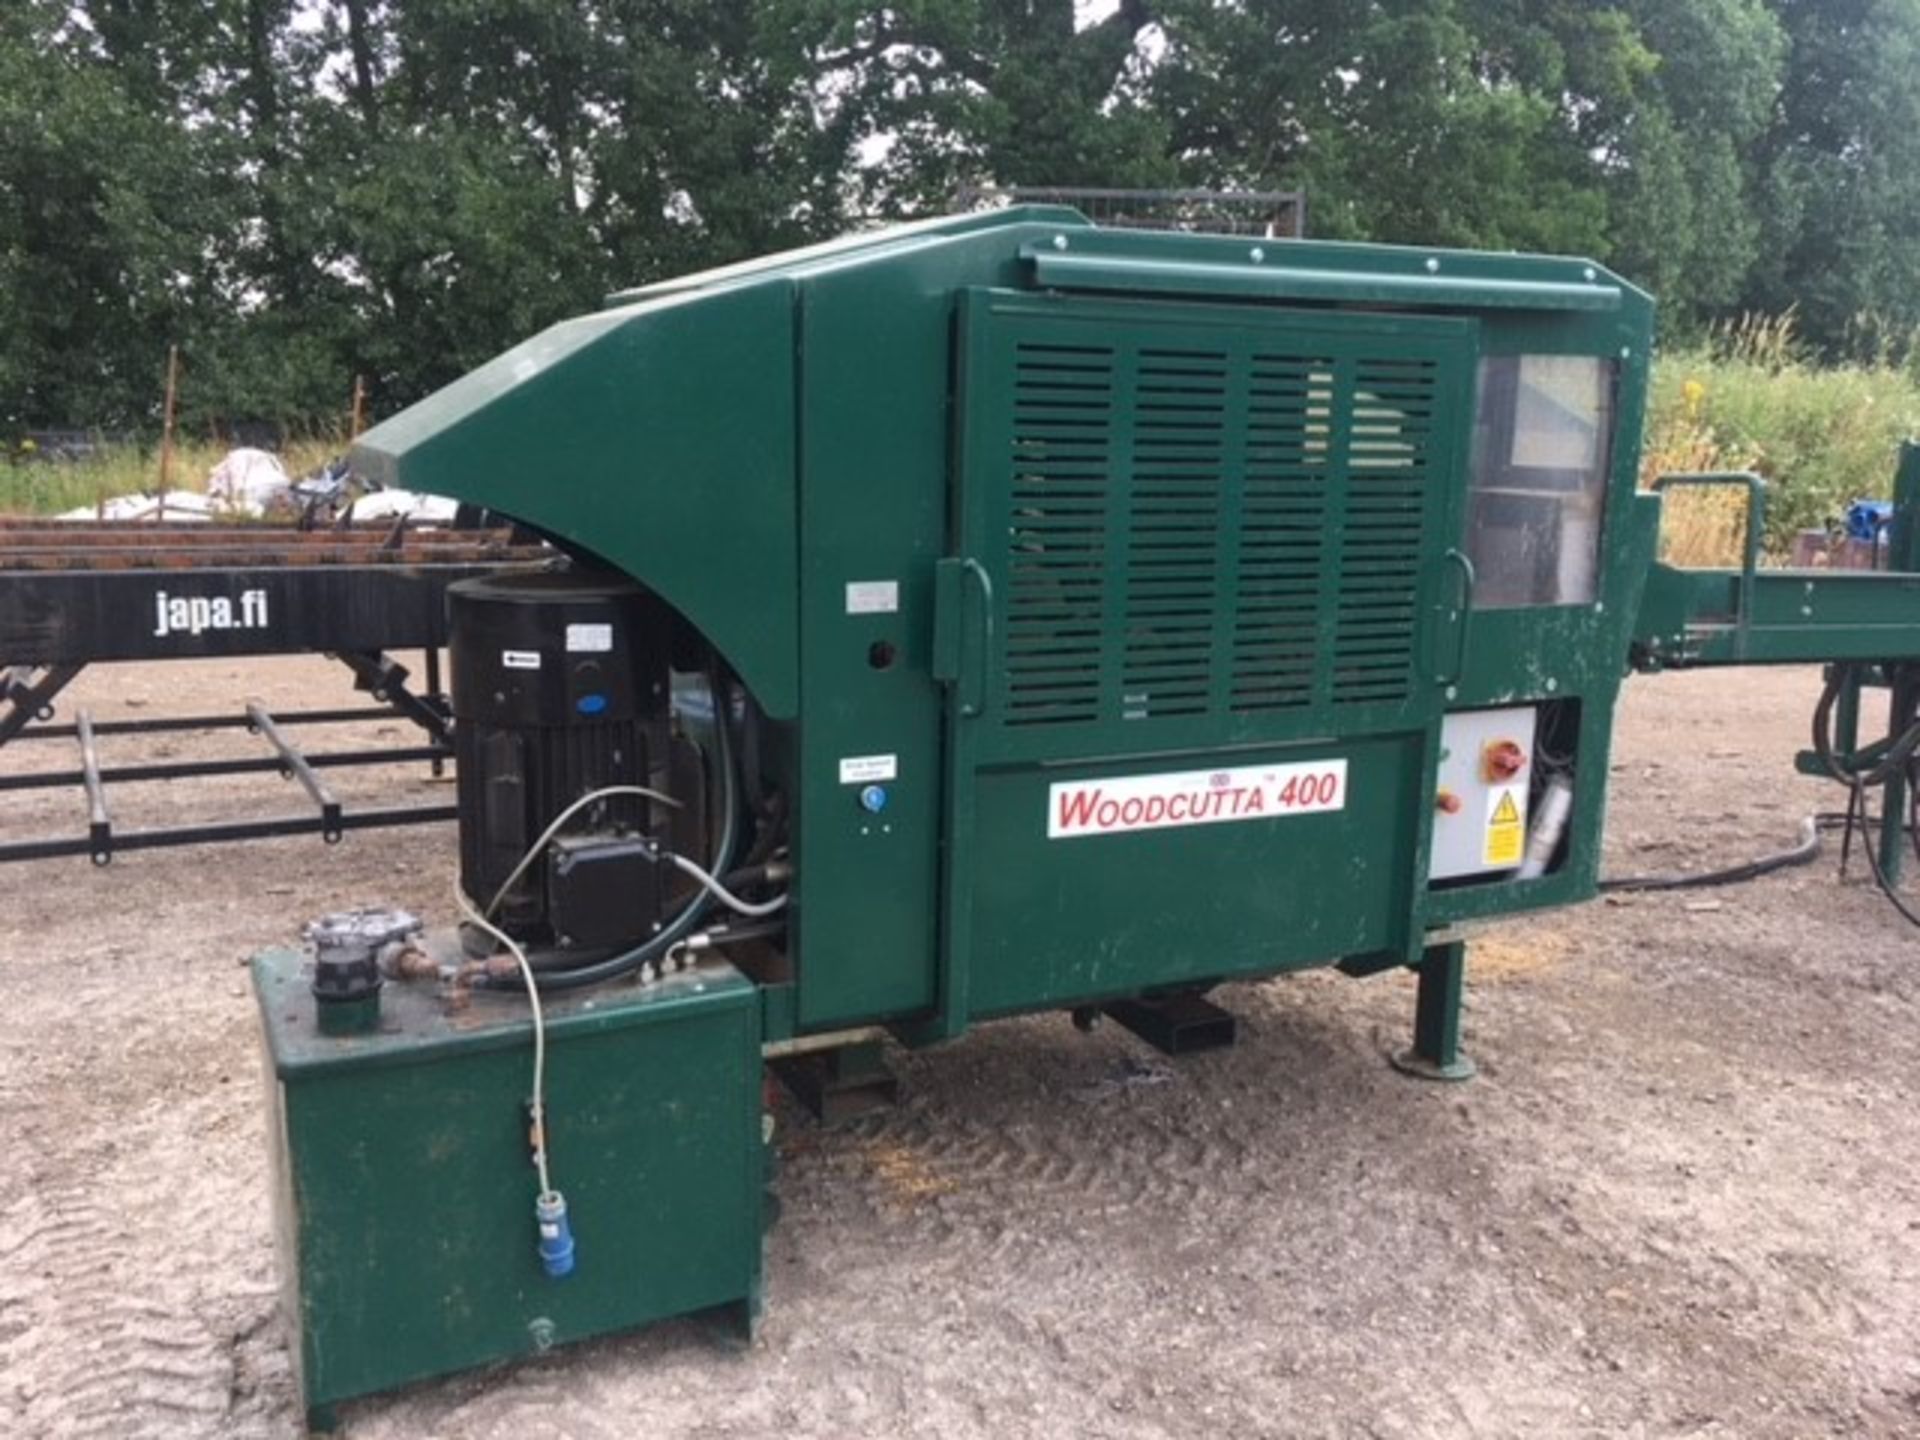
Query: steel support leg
x,y
99,822
1436,1017
434,697
294,765
1893,797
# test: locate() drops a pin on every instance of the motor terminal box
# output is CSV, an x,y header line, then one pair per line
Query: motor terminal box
x,y
602,890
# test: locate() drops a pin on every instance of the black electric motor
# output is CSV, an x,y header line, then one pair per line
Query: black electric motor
x,y
560,688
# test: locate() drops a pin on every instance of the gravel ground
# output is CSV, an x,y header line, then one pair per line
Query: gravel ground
x,y
1682,1198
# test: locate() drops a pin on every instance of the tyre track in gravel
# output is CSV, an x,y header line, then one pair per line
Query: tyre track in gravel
x,y
1101,1132
97,1351
127,1307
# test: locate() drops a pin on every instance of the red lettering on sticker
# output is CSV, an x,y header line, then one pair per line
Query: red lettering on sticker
x,y
1076,807
1153,802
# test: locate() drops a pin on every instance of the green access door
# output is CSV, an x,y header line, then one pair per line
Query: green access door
x,y
1203,609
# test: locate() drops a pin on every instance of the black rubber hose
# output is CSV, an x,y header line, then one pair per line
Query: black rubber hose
x,y
1803,852
1897,757
1857,815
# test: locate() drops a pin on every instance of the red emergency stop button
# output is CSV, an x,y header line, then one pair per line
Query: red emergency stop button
x,y
1502,760
1447,803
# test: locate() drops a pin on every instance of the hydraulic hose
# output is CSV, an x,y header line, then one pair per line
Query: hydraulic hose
x,y
1804,851
1894,759
1899,756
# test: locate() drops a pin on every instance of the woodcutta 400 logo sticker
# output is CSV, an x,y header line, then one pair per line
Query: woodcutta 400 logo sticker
x,y
1194,797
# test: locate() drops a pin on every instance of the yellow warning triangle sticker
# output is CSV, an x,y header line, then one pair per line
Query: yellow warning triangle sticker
x,y
1506,812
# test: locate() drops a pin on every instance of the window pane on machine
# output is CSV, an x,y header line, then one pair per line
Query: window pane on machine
x,y
1542,443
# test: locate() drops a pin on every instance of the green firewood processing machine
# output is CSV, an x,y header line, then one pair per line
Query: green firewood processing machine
x,y
990,615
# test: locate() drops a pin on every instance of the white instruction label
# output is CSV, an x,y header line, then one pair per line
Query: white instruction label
x,y
873,597
590,639
865,769
1194,797
520,659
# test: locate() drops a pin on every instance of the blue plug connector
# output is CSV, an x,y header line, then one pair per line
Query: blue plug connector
x,y
556,1236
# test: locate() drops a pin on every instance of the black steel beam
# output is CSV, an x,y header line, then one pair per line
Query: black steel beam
x,y
295,764
170,724
385,679
75,617
224,833
199,769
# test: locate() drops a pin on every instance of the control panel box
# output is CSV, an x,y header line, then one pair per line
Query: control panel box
x,y
1480,794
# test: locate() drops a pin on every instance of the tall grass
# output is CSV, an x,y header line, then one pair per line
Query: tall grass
x,y
33,485
1753,398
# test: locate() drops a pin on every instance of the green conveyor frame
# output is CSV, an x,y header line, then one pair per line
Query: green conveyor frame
x,y
1752,616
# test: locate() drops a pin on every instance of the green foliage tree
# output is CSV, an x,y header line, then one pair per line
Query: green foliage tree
x,y
297,193
102,253
1840,205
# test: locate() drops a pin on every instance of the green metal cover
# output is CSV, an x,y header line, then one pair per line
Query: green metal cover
x,y
404,1191
1204,537
755,441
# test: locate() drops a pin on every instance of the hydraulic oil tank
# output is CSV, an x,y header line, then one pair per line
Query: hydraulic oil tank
x,y
560,687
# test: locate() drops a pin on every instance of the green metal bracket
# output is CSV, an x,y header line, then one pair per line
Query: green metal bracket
x,y
1756,489
1251,278
1748,616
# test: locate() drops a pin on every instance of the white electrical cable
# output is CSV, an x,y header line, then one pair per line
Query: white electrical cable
x,y
487,927
720,892
546,836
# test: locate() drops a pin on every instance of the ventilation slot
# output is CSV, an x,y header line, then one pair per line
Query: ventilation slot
x,y
1383,526
1283,517
1173,535
1057,533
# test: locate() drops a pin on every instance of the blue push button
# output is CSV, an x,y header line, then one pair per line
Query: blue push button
x,y
873,799
590,704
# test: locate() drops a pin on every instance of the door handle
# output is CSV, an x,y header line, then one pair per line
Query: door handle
x,y
954,582
1460,610
973,701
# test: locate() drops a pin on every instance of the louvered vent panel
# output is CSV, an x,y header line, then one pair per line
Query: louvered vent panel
x,y
1283,520
1383,529
1206,524
1061,501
